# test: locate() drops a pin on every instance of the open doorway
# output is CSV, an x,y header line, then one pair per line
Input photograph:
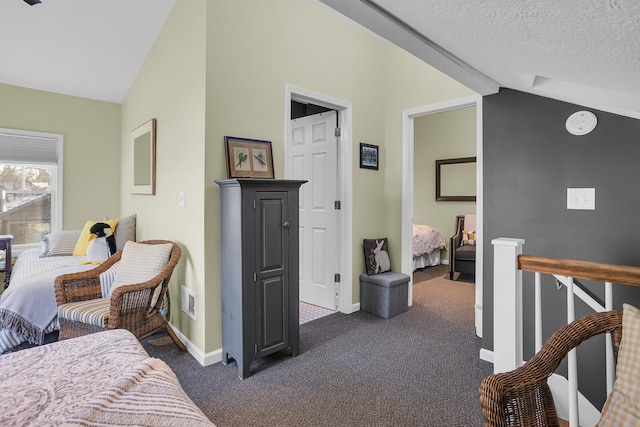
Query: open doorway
x,y
317,149
409,118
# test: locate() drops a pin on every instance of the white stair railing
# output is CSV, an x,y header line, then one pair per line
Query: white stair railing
x,y
507,300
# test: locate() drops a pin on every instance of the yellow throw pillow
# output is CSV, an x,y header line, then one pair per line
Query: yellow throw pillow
x,y
468,238
83,240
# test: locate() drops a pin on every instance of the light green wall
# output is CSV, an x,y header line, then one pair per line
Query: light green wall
x,y
91,129
444,135
171,88
410,84
302,44
220,68
305,45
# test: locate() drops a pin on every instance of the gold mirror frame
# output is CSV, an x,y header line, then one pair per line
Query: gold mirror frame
x,y
143,143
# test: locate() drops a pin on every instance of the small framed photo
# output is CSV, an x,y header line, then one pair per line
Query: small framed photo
x,y
248,158
368,156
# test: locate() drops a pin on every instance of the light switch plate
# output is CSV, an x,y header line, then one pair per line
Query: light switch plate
x,y
182,199
581,198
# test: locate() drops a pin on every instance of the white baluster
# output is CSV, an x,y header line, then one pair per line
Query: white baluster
x,y
507,304
611,369
538,311
574,419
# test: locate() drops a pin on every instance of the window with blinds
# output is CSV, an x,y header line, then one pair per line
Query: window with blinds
x,y
30,185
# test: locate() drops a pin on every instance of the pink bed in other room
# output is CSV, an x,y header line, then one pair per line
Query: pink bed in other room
x,y
427,243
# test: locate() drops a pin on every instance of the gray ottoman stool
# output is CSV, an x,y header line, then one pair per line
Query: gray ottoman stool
x,y
384,294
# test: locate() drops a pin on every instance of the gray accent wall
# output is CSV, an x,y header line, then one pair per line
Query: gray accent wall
x,y
529,162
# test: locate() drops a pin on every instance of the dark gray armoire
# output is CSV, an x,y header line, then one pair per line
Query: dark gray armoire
x,y
259,262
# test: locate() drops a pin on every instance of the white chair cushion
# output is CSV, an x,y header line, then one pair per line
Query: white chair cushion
x,y
92,312
141,262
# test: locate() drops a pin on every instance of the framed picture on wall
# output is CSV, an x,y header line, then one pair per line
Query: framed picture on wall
x,y
368,156
248,158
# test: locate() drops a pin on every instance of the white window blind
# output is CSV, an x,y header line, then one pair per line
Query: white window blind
x,y
17,148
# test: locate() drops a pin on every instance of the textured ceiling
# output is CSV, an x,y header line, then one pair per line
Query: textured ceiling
x,y
593,42
87,48
583,51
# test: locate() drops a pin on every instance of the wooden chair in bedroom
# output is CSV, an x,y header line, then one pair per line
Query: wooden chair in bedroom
x,y
462,252
136,296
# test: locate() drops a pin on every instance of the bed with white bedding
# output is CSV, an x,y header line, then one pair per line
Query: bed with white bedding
x,y
427,243
28,308
101,379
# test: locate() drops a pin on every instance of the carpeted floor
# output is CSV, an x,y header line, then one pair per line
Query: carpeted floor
x,y
420,368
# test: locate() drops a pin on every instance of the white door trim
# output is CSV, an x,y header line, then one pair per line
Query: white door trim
x,y
345,172
407,190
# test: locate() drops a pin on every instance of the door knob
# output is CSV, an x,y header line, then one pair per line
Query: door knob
x,y
285,224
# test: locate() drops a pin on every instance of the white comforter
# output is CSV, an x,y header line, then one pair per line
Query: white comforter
x,y
104,379
426,239
28,266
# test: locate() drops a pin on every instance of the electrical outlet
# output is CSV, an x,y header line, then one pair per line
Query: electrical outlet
x,y
581,198
188,302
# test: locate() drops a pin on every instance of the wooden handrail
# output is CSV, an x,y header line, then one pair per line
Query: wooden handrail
x,y
620,274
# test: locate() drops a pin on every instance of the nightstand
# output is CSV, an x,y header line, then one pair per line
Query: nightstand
x,y
5,261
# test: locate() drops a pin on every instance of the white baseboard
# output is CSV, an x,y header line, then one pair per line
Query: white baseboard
x,y
444,261
478,319
355,307
205,359
486,355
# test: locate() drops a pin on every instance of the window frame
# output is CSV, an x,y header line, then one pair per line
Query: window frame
x,y
57,196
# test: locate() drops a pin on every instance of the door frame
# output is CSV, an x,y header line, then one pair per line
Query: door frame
x,y
408,117
345,172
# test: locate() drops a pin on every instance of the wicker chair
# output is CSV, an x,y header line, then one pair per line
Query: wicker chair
x,y
129,307
522,397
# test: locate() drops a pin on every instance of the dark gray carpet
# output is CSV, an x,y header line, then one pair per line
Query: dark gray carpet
x,y
420,368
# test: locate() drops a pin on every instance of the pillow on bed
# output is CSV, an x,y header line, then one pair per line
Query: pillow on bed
x,y
126,231
83,240
376,255
59,243
468,238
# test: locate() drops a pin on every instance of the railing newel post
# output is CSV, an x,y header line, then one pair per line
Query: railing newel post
x,y
507,305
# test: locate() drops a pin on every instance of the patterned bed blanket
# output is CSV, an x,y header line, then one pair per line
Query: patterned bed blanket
x,y
426,239
28,308
100,379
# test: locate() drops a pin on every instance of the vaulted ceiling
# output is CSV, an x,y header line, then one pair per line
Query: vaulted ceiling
x,y
86,48
581,51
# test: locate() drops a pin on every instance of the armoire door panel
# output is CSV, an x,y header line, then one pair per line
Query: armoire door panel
x,y
271,229
273,309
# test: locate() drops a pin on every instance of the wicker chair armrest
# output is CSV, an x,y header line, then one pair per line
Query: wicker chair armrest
x,y
524,393
84,285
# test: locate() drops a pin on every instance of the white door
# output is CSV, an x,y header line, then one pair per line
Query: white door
x,y
314,158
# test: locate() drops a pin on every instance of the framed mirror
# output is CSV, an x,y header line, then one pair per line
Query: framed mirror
x,y
456,180
143,141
